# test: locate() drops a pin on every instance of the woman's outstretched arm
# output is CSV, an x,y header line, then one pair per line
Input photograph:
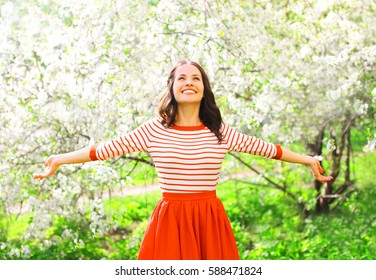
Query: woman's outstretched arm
x,y
135,141
311,162
54,161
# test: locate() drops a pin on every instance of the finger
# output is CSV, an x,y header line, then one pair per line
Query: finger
x,y
319,167
315,169
324,179
43,175
321,170
47,172
39,176
329,178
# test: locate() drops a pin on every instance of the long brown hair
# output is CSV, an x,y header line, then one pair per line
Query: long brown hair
x,y
209,113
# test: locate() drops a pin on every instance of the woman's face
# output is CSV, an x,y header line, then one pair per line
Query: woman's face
x,y
188,84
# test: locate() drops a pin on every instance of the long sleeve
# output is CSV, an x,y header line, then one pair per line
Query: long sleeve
x,y
187,159
239,142
135,141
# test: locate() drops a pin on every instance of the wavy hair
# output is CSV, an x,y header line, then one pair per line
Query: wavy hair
x,y
209,113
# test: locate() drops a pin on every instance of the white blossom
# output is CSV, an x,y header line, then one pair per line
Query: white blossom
x,y
371,145
74,73
14,253
319,158
67,233
331,145
25,249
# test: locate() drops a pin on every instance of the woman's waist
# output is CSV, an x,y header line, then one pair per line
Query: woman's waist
x,y
169,196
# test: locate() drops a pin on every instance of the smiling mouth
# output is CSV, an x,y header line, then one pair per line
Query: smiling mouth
x,y
188,91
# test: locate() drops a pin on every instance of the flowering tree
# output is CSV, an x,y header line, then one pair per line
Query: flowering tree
x,y
316,63
78,72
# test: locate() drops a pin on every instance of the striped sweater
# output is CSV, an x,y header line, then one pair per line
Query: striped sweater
x,y
187,158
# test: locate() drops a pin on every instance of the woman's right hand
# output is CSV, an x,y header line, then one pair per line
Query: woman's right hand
x,y
51,164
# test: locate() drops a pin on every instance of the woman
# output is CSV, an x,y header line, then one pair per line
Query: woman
x,y
187,143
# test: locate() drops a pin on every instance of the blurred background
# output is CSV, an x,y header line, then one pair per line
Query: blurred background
x,y
298,73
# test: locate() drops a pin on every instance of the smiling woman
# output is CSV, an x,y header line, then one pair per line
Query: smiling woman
x,y
188,86
190,75
187,142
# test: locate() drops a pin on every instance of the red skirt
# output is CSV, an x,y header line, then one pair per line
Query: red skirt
x,y
189,227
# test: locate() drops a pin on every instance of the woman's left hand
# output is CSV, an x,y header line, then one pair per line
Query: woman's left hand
x,y
317,171
312,162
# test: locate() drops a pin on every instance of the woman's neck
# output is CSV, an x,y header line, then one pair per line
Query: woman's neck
x,y
188,116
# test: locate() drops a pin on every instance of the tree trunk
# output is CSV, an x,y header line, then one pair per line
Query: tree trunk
x,y
316,149
328,195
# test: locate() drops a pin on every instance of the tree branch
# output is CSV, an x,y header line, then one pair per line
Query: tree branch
x,y
258,172
140,159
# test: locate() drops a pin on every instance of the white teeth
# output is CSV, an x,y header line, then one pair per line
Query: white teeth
x,y
188,91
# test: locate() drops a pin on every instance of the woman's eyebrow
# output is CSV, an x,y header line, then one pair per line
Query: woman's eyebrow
x,y
184,75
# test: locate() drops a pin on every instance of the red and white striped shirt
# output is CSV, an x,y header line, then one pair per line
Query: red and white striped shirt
x,y
187,158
